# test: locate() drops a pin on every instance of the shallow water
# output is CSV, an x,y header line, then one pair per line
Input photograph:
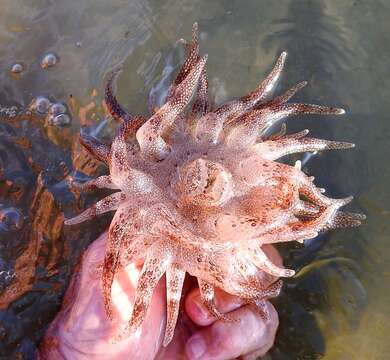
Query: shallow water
x,y
337,307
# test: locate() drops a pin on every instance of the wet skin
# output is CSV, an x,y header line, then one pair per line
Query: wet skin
x,y
82,329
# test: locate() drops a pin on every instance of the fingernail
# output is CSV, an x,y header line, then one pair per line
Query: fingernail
x,y
196,347
200,309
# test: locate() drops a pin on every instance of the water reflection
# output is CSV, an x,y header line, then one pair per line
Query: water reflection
x,y
336,307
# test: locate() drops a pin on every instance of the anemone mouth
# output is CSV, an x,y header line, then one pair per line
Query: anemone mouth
x,y
208,203
203,183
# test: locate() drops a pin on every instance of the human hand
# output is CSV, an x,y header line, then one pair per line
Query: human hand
x,y
82,329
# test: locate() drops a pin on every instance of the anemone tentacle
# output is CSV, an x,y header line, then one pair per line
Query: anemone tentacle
x,y
201,192
114,108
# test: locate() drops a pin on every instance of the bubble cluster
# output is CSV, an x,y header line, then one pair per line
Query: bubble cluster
x,y
57,115
55,112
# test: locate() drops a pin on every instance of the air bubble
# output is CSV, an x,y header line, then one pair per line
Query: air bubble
x,y
17,68
49,60
59,120
41,105
6,277
57,109
11,219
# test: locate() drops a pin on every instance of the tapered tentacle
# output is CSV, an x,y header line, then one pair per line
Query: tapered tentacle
x,y
129,129
207,295
271,291
269,116
260,302
149,136
297,135
102,182
281,99
134,248
123,154
243,131
306,209
315,194
301,230
297,109
109,203
175,279
156,263
256,96
260,259
121,240
275,149
201,104
95,147
280,134
113,106
192,57
344,219
250,226
253,124
287,234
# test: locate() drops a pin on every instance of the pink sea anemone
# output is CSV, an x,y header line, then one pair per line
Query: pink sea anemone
x,y
200,191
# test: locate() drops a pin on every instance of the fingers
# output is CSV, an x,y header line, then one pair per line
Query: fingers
x,y
198,312
224,302
249,336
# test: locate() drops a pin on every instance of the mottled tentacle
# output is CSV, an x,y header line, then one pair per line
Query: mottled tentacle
x,y
269,116
156,264
122,239
113,106
149,136
102,182
260,259
344,219
275,149
192,57
301,230
304,208
297,135
281,99
128,129
109,203
95,147
207,295
256,96
201,104
313,193
244,130
175,279
260,302
280,134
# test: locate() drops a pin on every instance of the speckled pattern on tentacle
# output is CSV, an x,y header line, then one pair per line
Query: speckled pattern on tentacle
x,y
199,191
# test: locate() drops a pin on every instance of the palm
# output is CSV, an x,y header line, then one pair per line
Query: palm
x,y
82,327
